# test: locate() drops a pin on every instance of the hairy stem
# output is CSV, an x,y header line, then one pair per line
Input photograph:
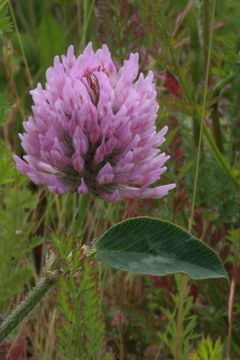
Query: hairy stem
x,y
28,304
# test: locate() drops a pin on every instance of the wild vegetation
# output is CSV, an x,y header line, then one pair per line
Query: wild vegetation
x,y
96,312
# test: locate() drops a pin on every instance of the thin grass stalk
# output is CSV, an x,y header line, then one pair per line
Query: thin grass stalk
x,y
215,114
217,127
202,121
24,22
32,18
79,19
12,86
231,304
88,6
180,316
196,67
79,215
206,33
184,292
230,315
29,77
49,348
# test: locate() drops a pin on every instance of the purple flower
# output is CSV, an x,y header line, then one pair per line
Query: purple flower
x,y
93,129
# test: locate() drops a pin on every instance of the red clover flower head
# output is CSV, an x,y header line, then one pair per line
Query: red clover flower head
x,y
93,129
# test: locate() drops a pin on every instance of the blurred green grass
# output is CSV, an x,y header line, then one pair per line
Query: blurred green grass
x,y
170,36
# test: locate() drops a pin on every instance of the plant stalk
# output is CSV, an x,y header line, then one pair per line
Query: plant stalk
x,y
230,313
180,318
28,73
79,215
231,304
206,32
217,127
184,290
202,123
28,304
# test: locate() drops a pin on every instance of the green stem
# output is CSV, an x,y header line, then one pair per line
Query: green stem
x,y
28,304
231,303
180,318
88,7
215,113
206,33
217,127
202,123
79,215
20,44
196,131
184,289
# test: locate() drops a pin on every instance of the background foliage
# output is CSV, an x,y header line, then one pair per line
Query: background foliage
x,y
118,315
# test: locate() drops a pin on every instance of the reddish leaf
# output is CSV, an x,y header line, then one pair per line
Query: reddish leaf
x,y
172,84
13,350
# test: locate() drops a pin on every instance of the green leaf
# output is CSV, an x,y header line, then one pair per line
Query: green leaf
x,y
51,39
5,23
151,246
